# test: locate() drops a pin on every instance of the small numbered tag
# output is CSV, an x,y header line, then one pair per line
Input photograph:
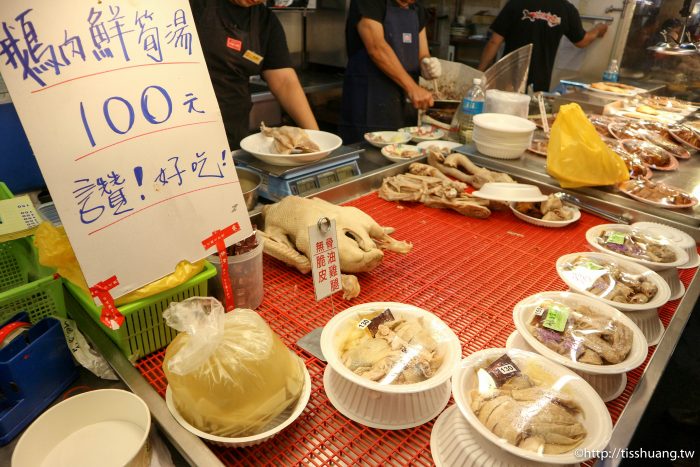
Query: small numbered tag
x,y
502,370
616,237
556,318
539,311
364,323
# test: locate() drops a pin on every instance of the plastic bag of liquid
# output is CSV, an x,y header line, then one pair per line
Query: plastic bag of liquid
x,y
577,156
229,373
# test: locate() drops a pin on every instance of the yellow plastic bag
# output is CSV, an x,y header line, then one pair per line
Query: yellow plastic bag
x,y
56,251
577,156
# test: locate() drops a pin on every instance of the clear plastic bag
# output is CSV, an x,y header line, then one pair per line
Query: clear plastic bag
x,y
526,406
637,245
579,333
391,349
229,374
609,280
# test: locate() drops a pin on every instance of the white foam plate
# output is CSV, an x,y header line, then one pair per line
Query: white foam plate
x,y
510,192
594,232
524,310
595,417
441,144
608,387
683,240
662,296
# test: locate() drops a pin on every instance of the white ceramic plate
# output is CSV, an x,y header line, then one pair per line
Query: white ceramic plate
x,y
276,425
259,146
449,145
379,139
525,309
575,282
596,418
392,152
423,133
510,192
445,337
594,232
631,92
546,223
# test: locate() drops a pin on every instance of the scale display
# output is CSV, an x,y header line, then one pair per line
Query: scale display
x,y
278,182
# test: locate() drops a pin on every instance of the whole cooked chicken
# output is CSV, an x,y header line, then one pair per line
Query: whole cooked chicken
x,y
361,240
288,139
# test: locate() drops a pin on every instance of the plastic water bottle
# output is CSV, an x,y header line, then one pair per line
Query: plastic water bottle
x,y
612,74
472,104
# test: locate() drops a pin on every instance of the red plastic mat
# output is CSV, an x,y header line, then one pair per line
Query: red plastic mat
x,y
469,272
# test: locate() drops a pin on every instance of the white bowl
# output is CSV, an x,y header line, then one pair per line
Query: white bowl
x,y
383,410
276,425
525,309
387,152
105,427
445,337
596,418
431,133
501,151
677,236
259,146
389,137
579,283
593,233
449,145
499,191
546,223
503,123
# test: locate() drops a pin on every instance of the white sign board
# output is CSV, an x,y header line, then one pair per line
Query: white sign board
x,y
121,115
325,258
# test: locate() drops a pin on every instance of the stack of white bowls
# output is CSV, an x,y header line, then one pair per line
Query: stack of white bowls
x,y
502,136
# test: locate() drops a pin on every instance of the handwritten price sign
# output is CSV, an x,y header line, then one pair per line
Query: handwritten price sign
x,y
120,112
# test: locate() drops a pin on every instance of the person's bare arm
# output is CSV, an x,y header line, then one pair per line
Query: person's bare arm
x,y
372,35
285,85
490,51
423,51
597,31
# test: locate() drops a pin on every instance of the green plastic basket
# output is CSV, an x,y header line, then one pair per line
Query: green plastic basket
x,y
25,285
144,331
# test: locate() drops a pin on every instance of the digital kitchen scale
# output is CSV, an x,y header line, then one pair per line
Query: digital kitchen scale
x,y
278,181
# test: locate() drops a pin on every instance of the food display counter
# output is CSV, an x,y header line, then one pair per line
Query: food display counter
x,y
469,272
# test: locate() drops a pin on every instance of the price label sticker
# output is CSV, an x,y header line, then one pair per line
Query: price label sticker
x,y
592,265
616,237
364,323
502,370
557,316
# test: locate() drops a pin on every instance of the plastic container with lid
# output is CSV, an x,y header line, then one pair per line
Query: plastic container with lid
x,y
246,274
510,103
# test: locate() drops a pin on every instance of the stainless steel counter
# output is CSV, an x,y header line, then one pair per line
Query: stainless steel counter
x,y
532,168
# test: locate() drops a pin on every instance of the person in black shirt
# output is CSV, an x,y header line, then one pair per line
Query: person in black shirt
x,y
387,50
242,38
541,23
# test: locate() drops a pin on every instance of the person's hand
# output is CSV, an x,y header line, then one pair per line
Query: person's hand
x,y
430,68
602,29
420,97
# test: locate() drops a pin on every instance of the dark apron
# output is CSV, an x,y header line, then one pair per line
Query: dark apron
x,y
371,100
224,44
